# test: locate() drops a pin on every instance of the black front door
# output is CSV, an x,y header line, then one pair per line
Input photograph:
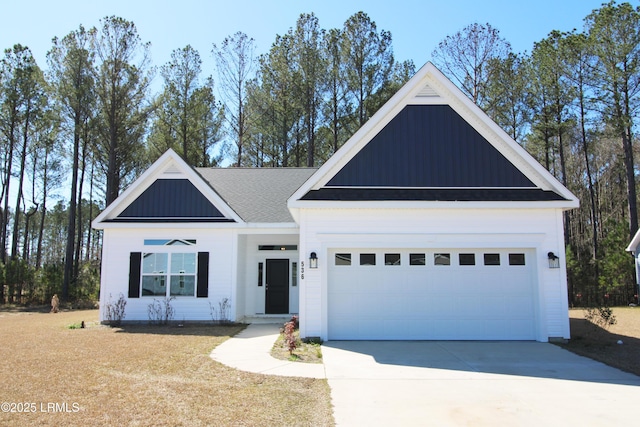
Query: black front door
x,y
277,286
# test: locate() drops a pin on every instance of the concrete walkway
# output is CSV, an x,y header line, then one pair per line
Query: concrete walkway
x,y
450,383
250,351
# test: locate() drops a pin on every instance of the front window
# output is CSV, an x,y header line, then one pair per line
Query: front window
x,y
169,274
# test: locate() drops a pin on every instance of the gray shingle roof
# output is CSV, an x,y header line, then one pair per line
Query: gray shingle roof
x,y
257,194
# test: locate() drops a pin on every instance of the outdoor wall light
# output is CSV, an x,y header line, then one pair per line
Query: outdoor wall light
x,y
554,261
313,260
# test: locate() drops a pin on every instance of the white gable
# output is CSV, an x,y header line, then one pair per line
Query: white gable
x,y
430,87
168,166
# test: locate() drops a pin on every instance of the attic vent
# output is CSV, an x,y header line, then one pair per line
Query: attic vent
x,y
172,170
427,92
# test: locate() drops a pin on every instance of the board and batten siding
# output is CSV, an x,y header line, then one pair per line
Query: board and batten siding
x,y
536,229
120,243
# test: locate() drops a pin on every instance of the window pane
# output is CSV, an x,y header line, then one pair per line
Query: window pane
x,y
277,247
169,242
391,259
154,286
183,285
467,259
343,259
156,242
183,263
516,259
154,263
442,259
260,273
367,259
294,274
417,259
491,259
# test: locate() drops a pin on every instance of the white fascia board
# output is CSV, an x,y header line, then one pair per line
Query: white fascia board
x,y
149,176
420,204
241,227
166,225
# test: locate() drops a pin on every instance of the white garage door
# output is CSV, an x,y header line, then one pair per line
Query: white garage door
x,y
448,294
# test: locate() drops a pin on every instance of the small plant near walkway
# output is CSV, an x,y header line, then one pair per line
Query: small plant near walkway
x,y
289,337
289,346
161,312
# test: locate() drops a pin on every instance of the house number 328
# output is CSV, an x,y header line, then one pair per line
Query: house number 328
x,y
301,270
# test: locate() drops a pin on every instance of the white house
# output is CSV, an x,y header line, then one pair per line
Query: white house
x,y
633,248
429,223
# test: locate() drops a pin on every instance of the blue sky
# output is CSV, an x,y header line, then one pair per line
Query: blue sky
x,y
416,26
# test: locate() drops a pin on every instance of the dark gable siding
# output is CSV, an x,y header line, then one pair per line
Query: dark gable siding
x,y
436,194
429,146
171,198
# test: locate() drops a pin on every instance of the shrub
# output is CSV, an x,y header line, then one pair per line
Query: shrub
x,y
289,336
225,308
114,311
600,316
161,312
221,316
295,320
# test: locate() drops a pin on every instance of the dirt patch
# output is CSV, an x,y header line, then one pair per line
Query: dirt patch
x,y
139,375
602,344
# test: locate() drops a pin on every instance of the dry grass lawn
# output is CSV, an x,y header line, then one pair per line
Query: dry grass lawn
x,y
140,376
600,344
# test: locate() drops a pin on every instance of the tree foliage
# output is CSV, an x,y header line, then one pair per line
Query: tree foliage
x,y
466,57
187,118
74,135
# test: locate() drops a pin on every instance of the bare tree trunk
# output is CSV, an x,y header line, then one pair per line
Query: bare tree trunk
x,y
23,159
71,225
45,184
88,246
5,219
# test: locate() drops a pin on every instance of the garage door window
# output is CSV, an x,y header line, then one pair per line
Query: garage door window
x,y
367,259
417,259
442,259
391,259
516,259
343,259
467,259
491,259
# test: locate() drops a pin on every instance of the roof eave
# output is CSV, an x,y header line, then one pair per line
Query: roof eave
x,y
295,205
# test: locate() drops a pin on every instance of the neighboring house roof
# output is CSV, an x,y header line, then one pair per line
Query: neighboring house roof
x,y
257,195
633,245
431,144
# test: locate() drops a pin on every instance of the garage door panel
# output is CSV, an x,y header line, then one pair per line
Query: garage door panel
x,y
431,301
518,307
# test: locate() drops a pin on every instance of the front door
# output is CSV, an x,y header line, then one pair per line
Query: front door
x,y
277,286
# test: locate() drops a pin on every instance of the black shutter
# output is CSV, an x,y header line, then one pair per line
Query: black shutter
x,y
134,274
203,275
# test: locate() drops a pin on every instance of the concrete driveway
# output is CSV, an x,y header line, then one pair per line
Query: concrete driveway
x,y
452,383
